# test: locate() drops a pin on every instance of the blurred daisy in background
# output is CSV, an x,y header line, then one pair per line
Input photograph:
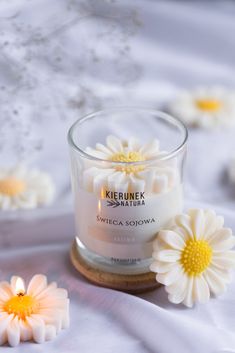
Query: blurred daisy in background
x,y
21,188
206,107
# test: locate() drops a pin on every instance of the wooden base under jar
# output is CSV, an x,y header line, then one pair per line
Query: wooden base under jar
x,y
137,283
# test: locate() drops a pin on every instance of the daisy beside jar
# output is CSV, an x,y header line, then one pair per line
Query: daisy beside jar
x,y
194,257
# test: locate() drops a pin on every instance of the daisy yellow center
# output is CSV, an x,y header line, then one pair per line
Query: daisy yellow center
x,y
196,257
126,157
11,186
209,105
21,306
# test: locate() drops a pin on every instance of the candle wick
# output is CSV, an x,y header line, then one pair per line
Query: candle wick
x,y
20,294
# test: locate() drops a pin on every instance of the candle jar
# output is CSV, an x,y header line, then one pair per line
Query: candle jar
x,y
127,167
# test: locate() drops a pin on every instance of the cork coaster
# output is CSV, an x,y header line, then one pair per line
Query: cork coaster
x,y
127,283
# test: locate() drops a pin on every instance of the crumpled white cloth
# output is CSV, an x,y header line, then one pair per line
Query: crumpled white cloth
x,y
173,44
105,320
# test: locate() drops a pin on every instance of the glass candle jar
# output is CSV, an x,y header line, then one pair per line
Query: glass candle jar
x,y
127,167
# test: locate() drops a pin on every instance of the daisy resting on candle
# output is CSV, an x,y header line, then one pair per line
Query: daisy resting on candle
x,y
36,314
193,257
122,170
206,107
21,188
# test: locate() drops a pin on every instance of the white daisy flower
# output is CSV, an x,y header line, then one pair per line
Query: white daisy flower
x,y
206,107
193,257
37,314
21,188
155,176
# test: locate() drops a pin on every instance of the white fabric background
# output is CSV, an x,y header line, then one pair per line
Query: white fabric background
x,y
61,59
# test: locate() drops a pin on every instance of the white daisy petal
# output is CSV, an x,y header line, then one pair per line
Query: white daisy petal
x,y
136,184
147,175
177,290
100,182
158,245
215,282
115,179
178,286
6,291
5,320
188,300
222,240
160,183
172,176
28,200
53,302
201,290
114,143
49,290
19,171
25,331
150,149
226,274
95,153
50,332
13,332
181,232
168,255
38,328
198,222
224,259
88,177
52,317
37,284
171,276
161,267
133,144
172,239
184,221
104,150
122,187
6,203
212,223
65,317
